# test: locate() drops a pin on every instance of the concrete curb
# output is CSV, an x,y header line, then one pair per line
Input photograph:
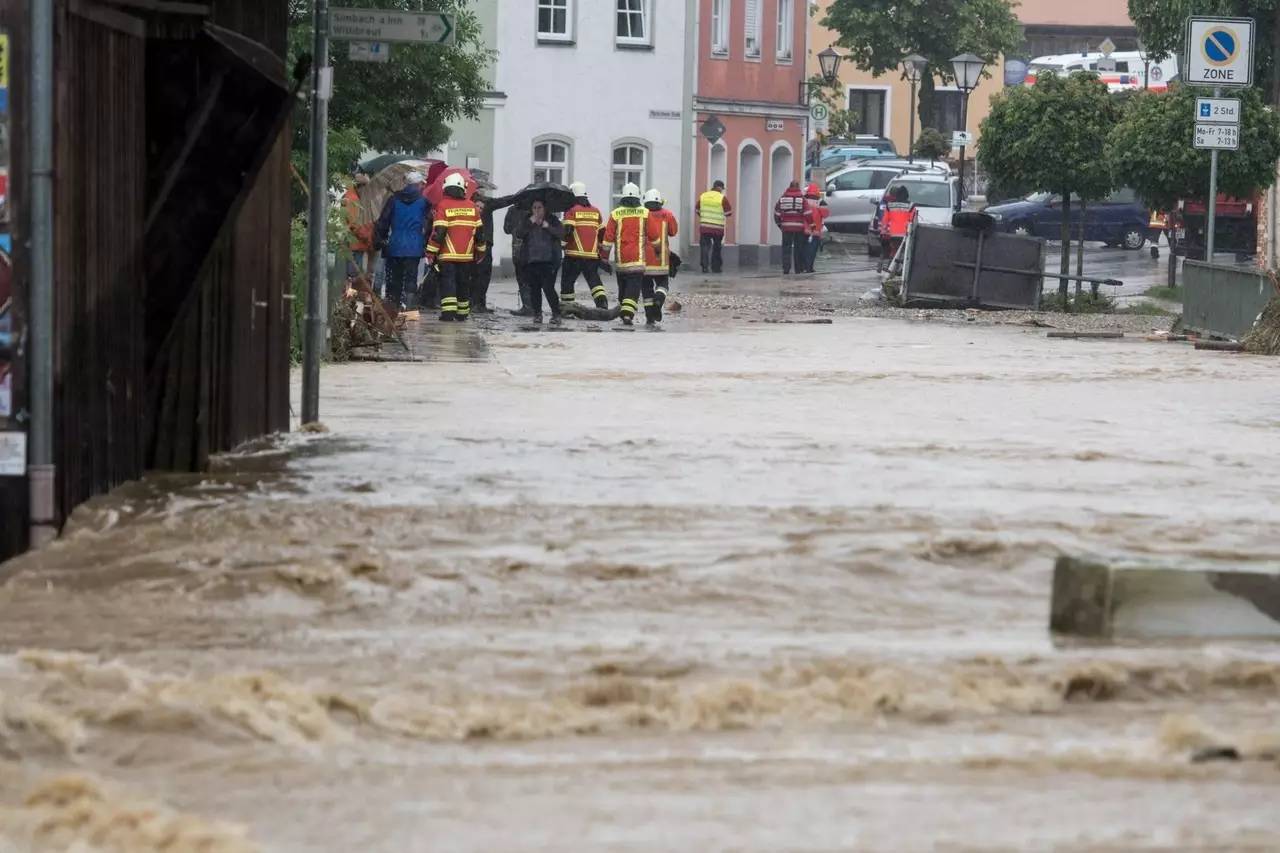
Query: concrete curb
x,y
1095,599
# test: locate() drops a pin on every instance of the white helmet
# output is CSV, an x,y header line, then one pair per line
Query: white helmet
x,y
630,191
455,181
653,197
414,178
578,188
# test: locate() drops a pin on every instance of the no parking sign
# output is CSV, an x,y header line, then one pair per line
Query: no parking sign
x,y
1220,52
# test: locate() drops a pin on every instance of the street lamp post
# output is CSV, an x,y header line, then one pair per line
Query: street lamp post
x,y
829,65
913,67
968,70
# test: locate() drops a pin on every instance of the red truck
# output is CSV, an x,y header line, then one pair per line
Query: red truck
x,y
1236,228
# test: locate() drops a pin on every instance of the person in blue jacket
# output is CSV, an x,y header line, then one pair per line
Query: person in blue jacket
x,y
401,235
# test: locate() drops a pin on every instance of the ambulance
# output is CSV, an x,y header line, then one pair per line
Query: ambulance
x,y
1126,73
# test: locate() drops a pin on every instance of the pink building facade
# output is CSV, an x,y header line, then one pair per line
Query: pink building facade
x,y
752,56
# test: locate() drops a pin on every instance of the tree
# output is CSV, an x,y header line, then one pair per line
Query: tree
x,y
403,105
1151,149
932,144
1162,26
879,33
1052,137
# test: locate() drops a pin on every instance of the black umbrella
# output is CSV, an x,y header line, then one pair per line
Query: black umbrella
x,y
376,164
557,197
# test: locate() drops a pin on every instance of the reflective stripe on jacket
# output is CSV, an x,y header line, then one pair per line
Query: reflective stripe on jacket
x,y
658,251
582,231
457,237
629,229
791,213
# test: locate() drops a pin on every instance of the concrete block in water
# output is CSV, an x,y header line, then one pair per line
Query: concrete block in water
x,y
1095,599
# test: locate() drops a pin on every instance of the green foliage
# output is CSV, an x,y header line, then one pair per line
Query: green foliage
x,y
1169,294
932,144
405,104
1051,137
1151,148
1085,302
346,144
299,266
1162,25
877,34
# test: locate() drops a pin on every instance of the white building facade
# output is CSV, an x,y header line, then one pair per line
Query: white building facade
x,y
585,90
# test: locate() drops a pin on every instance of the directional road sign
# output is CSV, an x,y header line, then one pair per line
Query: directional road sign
x,y
961,139
1224,137
392,25
1218,111
1220,52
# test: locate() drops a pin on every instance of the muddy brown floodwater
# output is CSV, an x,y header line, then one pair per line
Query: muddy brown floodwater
x,y
729,587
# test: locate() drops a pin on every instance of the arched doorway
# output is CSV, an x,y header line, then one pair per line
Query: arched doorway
x,y
750,194
781,174
718,165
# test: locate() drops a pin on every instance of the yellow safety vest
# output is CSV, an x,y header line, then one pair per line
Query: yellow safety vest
x,y
711,208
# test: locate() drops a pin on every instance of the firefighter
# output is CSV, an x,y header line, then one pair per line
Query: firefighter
x,y
657,268
582,225
792,214
458,242
630,230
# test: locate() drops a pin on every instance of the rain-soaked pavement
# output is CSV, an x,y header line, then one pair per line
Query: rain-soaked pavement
x,y
731,586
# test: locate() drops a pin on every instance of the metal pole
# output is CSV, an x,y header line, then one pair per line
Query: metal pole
x,y
318,249
964,126
41,471
1211,226
911,138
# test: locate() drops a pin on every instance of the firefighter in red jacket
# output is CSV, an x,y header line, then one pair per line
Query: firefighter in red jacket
x,y
657,268
631,231
582,224
791,214
458,242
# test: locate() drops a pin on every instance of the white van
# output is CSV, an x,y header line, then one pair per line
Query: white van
x,y
1126,73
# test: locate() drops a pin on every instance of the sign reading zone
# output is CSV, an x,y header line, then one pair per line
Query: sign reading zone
x,y
1220,52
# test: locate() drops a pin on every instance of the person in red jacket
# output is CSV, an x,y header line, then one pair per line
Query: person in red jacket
x,y
657,265
629,230
360,233
816,224
458,242
791,215
582,224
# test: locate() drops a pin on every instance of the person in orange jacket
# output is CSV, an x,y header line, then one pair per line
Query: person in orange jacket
x,y
657,271
630,230
458,242
361,234
582,224
816,224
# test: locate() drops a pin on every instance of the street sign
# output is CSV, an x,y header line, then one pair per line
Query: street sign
x,y
392,25
1217,137
961,139
1107,47
819,112
1218,111
1220,52
369,51
712,129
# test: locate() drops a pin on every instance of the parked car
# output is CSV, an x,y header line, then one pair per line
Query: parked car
x,y
853,193
936,194
1118,220
862,140
839,157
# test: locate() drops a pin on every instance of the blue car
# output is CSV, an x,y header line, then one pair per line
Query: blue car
x,y
1118,220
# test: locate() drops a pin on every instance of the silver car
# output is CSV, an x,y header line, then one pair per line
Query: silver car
x,y
854,192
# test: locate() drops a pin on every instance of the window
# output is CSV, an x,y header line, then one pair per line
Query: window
x,y
628,168
720,27
784,30
550,162
753,29
947,106
869,105
633,22
554,20
858,179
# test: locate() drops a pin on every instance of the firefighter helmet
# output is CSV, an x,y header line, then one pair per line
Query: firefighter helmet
x,y
653,197
455,182
630,191
578,188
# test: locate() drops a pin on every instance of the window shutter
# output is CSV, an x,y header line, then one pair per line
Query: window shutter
x,y
753,27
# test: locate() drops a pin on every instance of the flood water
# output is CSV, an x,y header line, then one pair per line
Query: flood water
x,y
733,586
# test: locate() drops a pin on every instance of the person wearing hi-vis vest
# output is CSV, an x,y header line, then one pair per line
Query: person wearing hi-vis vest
x,y
631,231
713,212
